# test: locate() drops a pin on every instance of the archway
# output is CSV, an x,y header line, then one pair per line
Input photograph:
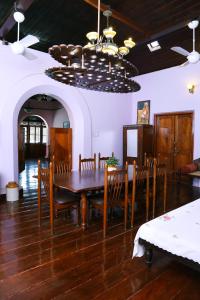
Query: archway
x,y
72,101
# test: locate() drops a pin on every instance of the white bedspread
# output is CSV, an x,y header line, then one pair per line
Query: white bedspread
x,y
177,232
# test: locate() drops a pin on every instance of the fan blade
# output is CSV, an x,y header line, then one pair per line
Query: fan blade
x,y
29,55
29,40
185,64
180,50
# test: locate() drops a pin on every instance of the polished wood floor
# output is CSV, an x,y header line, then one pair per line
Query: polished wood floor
x,y
77,265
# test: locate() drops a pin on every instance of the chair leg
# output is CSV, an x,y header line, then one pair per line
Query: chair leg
x,y
104,222
147,199
51,218
165,191
39,212
78,214
154,196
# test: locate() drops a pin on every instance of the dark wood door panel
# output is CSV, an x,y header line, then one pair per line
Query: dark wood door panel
x,y
174,138
165,139
61,144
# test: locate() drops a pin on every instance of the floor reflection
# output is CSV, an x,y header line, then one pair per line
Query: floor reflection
x,y
27,177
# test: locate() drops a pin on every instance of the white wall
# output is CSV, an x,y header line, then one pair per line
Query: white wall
x,y
96,118
59,117
167,91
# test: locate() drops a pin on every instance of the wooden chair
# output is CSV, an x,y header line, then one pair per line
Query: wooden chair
x,y
140,182
61,167
158,172
115,194
149,160
87,163
160,182
102,160
57,199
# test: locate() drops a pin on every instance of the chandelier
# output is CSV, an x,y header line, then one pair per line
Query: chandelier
x,y
99,65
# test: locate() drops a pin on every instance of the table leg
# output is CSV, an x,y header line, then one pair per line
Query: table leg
x,y
83,210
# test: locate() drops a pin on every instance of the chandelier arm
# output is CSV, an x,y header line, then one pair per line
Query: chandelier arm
x,y
98,21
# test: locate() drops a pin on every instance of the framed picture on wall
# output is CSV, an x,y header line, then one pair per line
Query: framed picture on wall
x,y
66,124
143,112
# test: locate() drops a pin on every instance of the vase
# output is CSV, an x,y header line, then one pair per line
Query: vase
x,y
112,168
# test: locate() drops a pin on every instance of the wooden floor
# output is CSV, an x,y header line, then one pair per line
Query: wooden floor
x,y
77,265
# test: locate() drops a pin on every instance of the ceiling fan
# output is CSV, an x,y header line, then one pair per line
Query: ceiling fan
x,y
20,46
194,56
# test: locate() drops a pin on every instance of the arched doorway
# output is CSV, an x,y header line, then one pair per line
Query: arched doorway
x,y
72,100
33,139
37,116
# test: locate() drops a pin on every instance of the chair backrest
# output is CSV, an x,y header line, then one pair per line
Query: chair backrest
x,y
45,178
61,167
102,160
140,177
115,185
149,160
87,163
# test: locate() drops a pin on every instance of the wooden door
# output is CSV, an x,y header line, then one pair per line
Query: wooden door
x,y
174,138
164,136
183,151
61,144
21,155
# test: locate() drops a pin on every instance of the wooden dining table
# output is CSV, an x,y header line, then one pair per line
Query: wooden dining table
x,y
82,183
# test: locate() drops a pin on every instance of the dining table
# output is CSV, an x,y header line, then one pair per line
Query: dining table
x,y
83,182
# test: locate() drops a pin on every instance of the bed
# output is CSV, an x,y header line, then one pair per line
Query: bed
x,y
176,232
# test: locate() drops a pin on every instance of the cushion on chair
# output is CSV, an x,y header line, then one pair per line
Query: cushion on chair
x,y
64,197
189,168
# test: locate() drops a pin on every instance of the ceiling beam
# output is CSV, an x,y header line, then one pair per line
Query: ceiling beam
x,y
9,23
120,17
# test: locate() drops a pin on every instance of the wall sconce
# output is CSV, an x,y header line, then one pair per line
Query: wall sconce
x,y
191,88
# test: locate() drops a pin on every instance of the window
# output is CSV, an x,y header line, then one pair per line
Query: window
x,y
34,131
44,135
25,134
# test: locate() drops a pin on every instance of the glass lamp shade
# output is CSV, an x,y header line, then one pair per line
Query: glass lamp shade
x,y
110,48
109,33
89,46
123,51
129,43
18,16
92,36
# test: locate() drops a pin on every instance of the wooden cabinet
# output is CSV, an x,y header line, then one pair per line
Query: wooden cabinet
x,y
137,139
174,138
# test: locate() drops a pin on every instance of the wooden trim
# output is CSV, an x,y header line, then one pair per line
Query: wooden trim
x,y
174,113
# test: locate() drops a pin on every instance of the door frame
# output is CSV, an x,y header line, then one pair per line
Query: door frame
x,y
189,112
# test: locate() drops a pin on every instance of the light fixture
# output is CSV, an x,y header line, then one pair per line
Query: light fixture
x,y
18,14
191,88
153,46
104,43
99,65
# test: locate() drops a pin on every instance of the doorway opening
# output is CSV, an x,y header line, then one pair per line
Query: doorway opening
x,y
37,116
